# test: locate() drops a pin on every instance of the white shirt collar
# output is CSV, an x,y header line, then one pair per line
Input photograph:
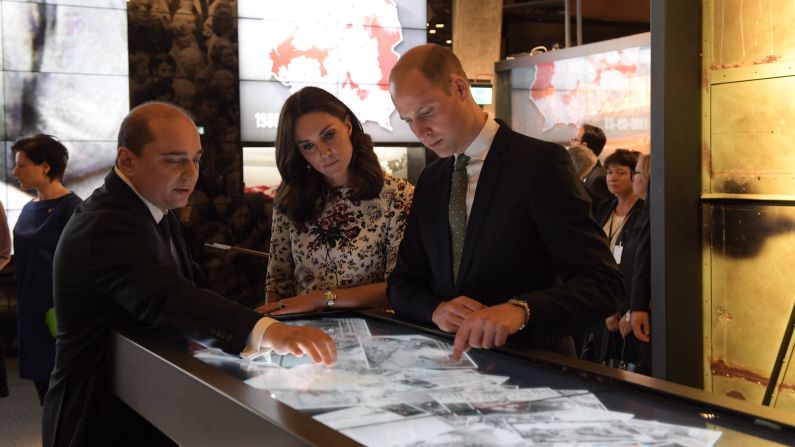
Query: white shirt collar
x,y
157,213
479,148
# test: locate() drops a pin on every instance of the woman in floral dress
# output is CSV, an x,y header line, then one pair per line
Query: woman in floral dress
x,y
338,218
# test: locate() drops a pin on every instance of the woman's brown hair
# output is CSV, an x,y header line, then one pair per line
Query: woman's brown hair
x,y
302,194
623,157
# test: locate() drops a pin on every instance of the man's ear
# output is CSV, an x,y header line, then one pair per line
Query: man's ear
x,y
125,160
460,86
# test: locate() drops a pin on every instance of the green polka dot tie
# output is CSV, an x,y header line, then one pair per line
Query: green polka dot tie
x,y
457,210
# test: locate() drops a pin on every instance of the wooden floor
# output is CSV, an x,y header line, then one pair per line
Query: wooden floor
x,y
20,412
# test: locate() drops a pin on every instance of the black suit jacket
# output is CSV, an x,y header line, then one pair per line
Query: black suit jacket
x,y
629,239
113,268
640,296
596,185
530,233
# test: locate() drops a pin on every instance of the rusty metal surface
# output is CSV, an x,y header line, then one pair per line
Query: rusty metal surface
x,y
752,261
748,195
747,32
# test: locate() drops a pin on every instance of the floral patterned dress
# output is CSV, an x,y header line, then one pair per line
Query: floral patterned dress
x,y
351,244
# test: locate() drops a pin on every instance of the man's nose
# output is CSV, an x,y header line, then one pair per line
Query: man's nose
x,y
192,169
420,130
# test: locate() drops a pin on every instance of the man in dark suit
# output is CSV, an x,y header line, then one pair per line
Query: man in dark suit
x,y
121,261
503,246
594,139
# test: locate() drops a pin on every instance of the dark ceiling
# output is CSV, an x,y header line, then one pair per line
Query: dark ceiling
x,y
527,24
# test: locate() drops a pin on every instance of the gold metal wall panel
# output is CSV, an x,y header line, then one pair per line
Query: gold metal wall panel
x,y
748,32
748,195
752,279
752,133
761,71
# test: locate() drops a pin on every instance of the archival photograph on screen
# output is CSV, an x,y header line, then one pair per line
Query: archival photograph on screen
x,y
260,173
65,74
345,47
394,160
403,390
411,351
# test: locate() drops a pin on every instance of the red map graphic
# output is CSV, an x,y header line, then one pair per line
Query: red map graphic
x,y
387,39
543,84
286,52
351,58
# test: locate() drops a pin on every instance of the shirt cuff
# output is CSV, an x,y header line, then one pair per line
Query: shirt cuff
x,y
253,346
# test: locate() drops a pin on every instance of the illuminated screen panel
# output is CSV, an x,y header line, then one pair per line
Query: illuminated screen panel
x,y
104,4
64,74
75,39
261,175
609,89
259,170
2,113
482,95
71,107
345,47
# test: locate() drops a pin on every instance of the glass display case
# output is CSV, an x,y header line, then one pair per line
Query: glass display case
x,y
503,397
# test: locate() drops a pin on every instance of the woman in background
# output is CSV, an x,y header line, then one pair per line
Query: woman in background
x,y
338,219
40,165
619,220
638,334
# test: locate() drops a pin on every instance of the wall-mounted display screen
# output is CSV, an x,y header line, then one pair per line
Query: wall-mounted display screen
x,y
346,47
64,73
607,84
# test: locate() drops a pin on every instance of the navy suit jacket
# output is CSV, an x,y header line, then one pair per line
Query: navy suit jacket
x,y
530,234
113,268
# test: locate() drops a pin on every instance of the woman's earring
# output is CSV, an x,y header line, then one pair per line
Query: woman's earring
x,y
308,167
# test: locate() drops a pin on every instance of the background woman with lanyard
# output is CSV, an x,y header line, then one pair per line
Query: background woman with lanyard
x,y
619,219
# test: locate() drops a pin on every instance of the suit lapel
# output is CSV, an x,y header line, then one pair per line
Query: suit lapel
x,y
179,244
116,187
487,182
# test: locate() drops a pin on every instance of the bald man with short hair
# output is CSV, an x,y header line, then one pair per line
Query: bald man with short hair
x,y
500,242
122,261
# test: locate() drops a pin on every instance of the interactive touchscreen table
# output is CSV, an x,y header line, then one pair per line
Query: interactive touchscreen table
x,y
394,384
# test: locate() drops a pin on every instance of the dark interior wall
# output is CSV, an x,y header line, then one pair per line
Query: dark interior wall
x,y
674,191
522,35
188,57
529,24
